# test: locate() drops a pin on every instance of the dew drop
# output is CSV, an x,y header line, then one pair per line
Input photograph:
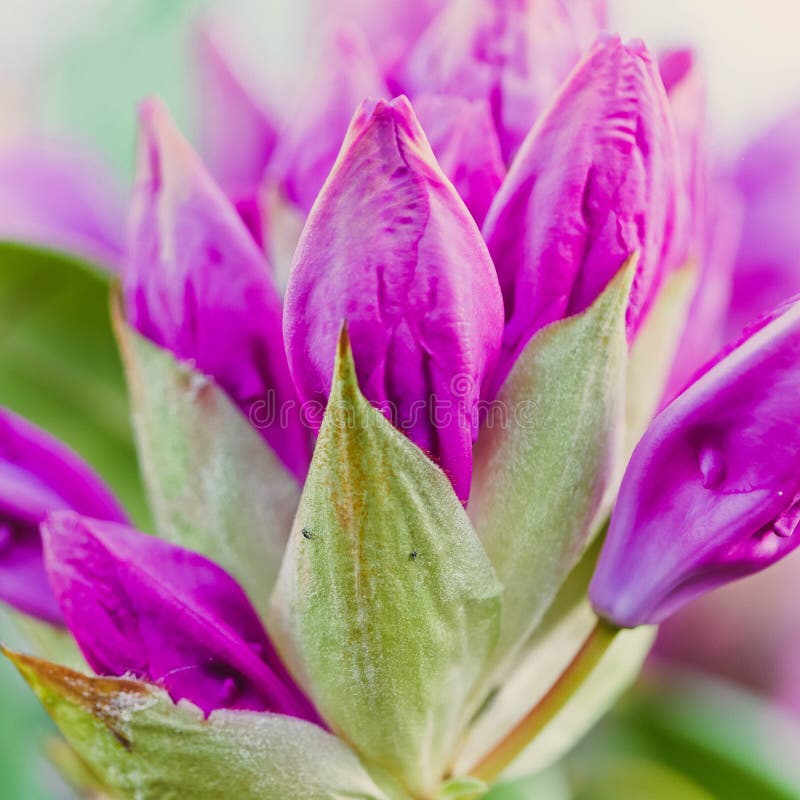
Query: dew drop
x,y
712,466
787,523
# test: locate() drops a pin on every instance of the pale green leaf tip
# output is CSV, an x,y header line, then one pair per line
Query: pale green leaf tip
x,y
345,380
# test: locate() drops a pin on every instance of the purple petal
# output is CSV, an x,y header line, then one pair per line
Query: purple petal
x,y
512,54
768,264
464,140
196,284
137,604
39,475
597,179
238,133
60,198
309,146
394,25
390,248
711,492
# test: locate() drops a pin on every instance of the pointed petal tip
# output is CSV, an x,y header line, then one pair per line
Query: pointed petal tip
x,y
164,154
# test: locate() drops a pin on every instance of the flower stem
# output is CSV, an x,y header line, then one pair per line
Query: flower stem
x,y
559,694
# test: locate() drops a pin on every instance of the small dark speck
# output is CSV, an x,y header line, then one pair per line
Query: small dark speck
x,y
412,556
309,534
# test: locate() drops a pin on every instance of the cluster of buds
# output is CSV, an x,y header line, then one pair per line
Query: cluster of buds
x,y
423,489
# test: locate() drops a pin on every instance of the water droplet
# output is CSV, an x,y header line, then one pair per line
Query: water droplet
x,y
712,466
787,523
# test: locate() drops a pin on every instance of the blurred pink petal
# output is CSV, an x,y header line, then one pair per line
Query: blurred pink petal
x,y
60,198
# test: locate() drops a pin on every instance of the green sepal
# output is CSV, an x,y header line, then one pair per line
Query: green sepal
x,y
142,746
386,607
214,485
541,480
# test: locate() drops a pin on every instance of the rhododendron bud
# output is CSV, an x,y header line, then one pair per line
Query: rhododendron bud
x,y
391,249
196,284
596,180
138,605
711,491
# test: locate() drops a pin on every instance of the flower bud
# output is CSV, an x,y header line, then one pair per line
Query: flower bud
x,y
596,180
139,605
196,284
390,248
712,491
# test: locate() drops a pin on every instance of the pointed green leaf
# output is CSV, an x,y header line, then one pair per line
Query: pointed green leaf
x,y
59,365
541,480
654,350
214,485
386,605
144,747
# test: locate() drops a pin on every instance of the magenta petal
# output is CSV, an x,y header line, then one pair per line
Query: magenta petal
x,y
768,264
60,198
238,133
196,284
390,248
464,140
712,490
512,54
393,25
137,604
597,179
314,135
39,475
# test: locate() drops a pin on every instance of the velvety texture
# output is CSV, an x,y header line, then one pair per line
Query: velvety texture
x,y
196,284
390,248
312,139
464,140
712,491
596,180
512,54
59,197
137,604
768,263
39,475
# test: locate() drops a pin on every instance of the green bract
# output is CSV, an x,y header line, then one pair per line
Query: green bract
x,y
386,604
213,485
141,745
540,481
